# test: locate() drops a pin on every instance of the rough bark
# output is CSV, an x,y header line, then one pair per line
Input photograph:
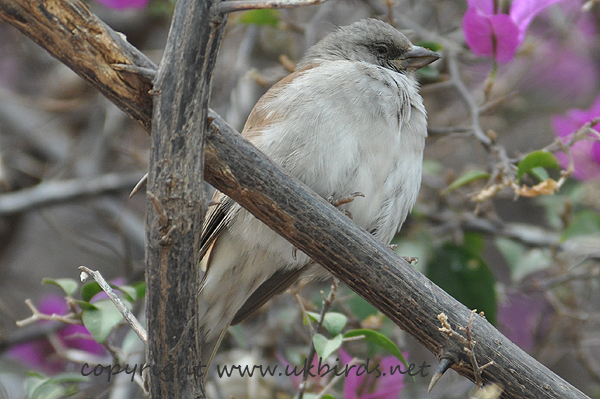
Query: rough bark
x,y
175,203
75,36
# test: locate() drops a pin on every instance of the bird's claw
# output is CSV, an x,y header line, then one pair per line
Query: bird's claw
x,y
344,200
413,260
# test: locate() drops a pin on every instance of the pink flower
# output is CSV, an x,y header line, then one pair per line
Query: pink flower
x,y
371,385
40,354
123,4
490,33
586,153
522,317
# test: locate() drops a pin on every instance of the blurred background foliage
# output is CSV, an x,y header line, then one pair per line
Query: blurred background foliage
x,y
508,218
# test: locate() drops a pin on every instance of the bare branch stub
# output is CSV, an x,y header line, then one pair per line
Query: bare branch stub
x,y
469,346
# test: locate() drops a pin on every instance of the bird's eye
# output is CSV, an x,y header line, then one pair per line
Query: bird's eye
x,y
381,49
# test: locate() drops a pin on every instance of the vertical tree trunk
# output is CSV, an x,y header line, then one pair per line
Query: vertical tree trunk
x,y
175,204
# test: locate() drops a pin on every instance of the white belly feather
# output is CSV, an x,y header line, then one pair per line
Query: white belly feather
x,y
374,152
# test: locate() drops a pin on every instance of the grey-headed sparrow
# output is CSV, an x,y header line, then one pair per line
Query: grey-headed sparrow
x,y
348,119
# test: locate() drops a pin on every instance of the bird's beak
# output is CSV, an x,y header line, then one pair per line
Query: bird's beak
x,y
417,57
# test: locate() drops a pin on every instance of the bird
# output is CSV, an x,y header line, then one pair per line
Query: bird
x,y
348,121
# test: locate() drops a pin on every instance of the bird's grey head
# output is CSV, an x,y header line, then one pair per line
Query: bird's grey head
x,y
372,41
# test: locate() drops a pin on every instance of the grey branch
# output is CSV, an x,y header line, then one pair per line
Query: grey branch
x,y
52,192
225,7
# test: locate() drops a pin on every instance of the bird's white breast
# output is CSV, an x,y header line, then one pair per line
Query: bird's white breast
x,y
362,129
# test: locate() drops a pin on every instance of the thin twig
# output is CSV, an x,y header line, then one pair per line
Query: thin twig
x,y
467,98
298,299
448,129
225,7
129,317
327,302
69,318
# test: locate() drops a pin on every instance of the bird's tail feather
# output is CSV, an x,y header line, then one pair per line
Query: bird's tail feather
x,y
209,349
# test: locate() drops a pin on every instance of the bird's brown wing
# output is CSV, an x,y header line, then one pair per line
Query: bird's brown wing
x,y
276,284
262,115
218,217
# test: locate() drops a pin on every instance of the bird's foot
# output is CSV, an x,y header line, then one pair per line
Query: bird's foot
x,y
413,260
344,200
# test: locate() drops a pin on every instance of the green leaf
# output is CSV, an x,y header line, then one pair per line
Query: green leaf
x,y
432,167
268,17
326,347
89,290
131,342
161,8
540,173
521,260
84,305
313,316
433,46
380,340
102,320
129,293
466,178
533,260
534,160
69,377
43,388
334,322
361,308
512,250
586,222
474,243
465,276
430,73
140,289
68,285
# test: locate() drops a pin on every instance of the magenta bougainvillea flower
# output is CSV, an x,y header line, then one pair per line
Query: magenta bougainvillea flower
x,y
40,354
523,316
490,33
586,153
123,4
370,385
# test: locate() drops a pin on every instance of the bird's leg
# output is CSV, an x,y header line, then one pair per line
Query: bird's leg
x,y
413,260
344,200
